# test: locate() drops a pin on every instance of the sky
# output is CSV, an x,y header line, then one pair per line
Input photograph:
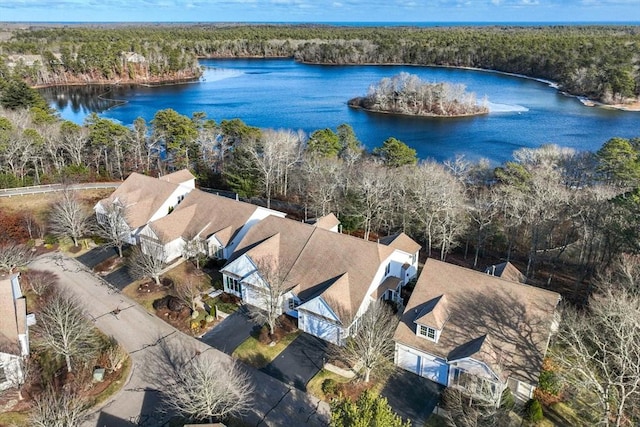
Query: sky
x,y
320,10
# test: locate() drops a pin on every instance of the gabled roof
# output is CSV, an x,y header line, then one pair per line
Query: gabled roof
x,y
179,177
13,314
517,319
203,214
327,222
337,267
402,242
434,313
142,196
507,271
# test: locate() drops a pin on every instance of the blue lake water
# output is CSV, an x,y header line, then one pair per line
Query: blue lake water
x,y
281,93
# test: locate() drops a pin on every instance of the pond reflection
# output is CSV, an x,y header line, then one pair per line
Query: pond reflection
x,y
85,100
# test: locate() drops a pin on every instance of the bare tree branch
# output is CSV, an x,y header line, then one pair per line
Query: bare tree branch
x,y
372,344
147,262
68,217
64,330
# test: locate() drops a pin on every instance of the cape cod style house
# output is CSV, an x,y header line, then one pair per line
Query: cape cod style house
x,y
14,331
142,199
476,331
325,279
211,225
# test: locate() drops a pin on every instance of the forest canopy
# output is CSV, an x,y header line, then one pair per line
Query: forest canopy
x,y
407,94
599,62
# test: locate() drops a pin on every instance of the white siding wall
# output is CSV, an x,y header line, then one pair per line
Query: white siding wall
x,y
172,201
259,214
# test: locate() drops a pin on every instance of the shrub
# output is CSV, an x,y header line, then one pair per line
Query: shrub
x,y
549,382
195,325
50,239
533,411
195,314
329,387
209,318
507,401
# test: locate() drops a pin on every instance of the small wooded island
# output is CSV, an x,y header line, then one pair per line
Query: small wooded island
x,y
407,94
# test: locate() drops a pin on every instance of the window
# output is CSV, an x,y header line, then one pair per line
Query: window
x,y
233,285
387,269
3,374
427,332
292,303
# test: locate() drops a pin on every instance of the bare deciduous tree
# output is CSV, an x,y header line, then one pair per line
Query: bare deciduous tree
x,y
273,286
69,218
13,256
41,282
193,249
461,411
147,262
63,329
188,291
372,344
57,408
112,225
115,355
598,351
207,387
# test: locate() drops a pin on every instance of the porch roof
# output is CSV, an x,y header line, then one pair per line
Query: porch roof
x,y
388,283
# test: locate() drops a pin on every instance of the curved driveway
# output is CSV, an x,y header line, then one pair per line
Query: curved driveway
x,y
143,336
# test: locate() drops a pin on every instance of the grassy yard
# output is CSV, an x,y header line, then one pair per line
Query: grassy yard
x,y
314,386
259,355
145,299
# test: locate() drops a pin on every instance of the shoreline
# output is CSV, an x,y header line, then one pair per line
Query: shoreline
x,y
587,102
109,83
425,116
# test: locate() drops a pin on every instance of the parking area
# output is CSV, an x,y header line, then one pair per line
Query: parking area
x,y
299,362
97,255
411,396
120,278
231,332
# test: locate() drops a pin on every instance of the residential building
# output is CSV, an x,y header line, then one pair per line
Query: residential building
x,y
325,279
203,223
475,331
141,199
14,331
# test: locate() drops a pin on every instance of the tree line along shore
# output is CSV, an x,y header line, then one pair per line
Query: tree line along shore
x,y
600,63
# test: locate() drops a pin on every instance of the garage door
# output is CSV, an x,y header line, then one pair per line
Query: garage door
x,y
409,360
423,364
320,328
434,369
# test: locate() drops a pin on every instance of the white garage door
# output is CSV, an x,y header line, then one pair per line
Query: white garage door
x,y
423,365
320,328
409,360
434,369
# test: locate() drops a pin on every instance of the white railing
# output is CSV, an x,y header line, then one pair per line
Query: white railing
x,y
50,188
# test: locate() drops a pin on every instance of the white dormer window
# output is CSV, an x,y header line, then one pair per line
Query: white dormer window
x,y
429,333
387,269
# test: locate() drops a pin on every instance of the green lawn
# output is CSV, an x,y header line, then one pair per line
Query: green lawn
x,y
258,355
314,386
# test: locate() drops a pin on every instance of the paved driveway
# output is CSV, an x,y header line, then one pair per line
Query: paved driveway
x,y
144,335
231,332
413,397
299,362
120,278
97,255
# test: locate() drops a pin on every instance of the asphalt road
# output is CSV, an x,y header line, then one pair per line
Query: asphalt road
x,y
145,337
